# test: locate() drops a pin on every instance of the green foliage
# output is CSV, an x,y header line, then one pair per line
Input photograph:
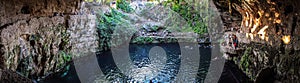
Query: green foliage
x,y
189,13
66,57
124,6
106,27
142,40
146,40
245,60
172,40
154,28
113,24
63,65
149,39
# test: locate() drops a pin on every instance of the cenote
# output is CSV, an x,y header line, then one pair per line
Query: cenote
x,y
151,63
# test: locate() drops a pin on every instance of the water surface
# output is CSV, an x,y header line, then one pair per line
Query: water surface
x,y
150,63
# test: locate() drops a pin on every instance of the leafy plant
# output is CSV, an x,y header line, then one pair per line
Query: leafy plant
x,y
113,24
138,40
142,40
66,57
124,6
189,13
245,60
154,28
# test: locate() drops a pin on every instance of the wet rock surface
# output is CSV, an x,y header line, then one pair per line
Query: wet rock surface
x,y
35,47
267,37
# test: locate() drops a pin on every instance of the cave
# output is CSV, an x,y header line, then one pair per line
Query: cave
x,y
224,41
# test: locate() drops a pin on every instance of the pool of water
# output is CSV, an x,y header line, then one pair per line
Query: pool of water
x,y
149,63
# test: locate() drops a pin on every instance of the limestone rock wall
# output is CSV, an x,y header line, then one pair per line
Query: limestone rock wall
x,y
83,34
15,10
41,46
35,47
38,38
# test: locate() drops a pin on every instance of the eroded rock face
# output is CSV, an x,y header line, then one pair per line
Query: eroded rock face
x,y
265,27
282,64
44,45
15,10
37,46
270,22
39,38
83,34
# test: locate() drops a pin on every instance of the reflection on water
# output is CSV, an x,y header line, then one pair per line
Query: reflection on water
x,y
151,63
146,68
